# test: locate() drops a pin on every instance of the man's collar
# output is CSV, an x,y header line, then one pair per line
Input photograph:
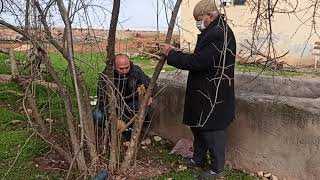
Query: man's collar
x,y
213,23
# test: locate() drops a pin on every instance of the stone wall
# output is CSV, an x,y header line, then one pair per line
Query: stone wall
x,y
276,133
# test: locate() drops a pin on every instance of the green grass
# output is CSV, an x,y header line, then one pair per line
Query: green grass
x,y
149,65
14,129
13,135
166,157
161,152
89,64
7,94
50,104
267,71
131,39
3,68
9,117
189,174
180,175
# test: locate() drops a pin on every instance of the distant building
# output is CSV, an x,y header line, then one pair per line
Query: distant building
x,y
289,34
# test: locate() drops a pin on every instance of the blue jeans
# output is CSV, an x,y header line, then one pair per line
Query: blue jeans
x,y
99,117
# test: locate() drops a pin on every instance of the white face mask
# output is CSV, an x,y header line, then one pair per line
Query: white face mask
x,y
200,25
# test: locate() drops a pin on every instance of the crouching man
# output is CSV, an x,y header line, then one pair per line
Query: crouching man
x,y
127,78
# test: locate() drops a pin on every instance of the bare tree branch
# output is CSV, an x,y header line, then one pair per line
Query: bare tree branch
x,y
86,121
109,71
132,149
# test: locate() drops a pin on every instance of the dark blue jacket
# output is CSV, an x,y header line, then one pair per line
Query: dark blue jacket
x,y
126,87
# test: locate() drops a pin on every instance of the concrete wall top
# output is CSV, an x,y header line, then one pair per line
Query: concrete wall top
x,y
272,85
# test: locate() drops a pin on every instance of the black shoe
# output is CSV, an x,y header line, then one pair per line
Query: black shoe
x,y
210,175
191,163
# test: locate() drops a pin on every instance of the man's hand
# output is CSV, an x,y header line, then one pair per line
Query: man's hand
x,y
120,124
150,101
165,48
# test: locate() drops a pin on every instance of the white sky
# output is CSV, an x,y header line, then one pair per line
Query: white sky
x,y
134,14
142,14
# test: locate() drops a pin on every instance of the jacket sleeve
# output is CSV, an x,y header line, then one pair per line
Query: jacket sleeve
x,y
200,60
142,77
145,80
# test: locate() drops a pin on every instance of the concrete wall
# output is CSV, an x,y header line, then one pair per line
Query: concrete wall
x,y
288,34
274,133
272,85
282,137
277,85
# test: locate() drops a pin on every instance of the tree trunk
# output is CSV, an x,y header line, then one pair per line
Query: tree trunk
x,y
33,105
44,132
26,19
13,63
87,116
132,149
77,150
109,71
86,121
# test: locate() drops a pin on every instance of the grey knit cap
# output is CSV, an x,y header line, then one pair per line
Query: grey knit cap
x,y
204,7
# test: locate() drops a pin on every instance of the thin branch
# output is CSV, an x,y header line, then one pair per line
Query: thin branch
x,y
18,155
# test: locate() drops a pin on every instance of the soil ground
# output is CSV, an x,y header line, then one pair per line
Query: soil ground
x,y
93,40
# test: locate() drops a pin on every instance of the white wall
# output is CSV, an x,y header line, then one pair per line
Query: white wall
x,y
289,35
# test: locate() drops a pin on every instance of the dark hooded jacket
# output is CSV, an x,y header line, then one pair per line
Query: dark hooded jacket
x,y
126,87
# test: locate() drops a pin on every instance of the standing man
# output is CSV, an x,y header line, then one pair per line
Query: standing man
x,y
209,102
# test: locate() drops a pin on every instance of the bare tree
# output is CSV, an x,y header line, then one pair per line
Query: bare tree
x,y
34,33
110,89
26,19
86,121
132,149
85,116
261,48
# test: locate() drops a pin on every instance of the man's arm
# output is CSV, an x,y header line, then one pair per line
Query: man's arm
x,y
196,61
145,80
200,60
142,78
